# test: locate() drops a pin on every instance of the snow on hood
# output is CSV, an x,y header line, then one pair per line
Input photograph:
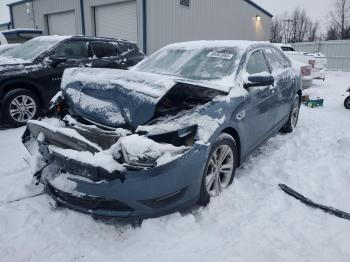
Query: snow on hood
x,y
12,61
112,97
117,98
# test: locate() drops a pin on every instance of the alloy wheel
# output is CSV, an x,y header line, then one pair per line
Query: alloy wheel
x,y
219,170
22,108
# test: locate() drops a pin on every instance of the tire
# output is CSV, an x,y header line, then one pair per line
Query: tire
x,y
19,106
347,102
293,117
220,180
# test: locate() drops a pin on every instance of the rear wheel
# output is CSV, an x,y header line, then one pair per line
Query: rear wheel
x,y
220,168
347,102
19,106
293,117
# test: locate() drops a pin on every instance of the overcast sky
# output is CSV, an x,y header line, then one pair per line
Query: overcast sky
x,y
317,9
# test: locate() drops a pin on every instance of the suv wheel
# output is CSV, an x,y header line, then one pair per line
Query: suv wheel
x,y
293,117
19,106
220,168
347,102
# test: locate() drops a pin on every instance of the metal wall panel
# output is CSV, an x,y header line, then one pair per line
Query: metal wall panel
x,y
117,20
337,52
21,19
168,22
40,9
62,23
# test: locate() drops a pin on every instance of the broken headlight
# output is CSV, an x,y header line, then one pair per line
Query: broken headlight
x,y
138,151
181,137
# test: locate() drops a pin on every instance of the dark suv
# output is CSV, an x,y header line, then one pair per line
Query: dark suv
x,y
30,74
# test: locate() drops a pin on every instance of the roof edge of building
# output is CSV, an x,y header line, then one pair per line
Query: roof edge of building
x,y
19,2
259,8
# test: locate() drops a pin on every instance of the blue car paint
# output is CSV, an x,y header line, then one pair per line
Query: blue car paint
x,y
254,118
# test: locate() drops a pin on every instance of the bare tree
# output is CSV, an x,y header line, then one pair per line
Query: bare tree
x,y
294,27
340,20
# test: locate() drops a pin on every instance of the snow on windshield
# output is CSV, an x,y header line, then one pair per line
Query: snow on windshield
x,y
30,49
196,62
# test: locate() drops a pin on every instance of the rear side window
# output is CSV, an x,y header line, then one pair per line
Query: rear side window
x,y
287,49
125,47
73,50
276,60
102,49
257,63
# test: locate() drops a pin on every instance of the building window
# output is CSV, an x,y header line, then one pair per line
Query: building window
x,y
185,3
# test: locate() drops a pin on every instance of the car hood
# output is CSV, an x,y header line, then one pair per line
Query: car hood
x,y
119,98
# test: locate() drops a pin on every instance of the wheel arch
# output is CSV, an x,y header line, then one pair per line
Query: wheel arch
x,y
24,84
233,132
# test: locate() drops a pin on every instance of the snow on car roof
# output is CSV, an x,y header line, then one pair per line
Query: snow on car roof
x,y
282,45
56,38
216,43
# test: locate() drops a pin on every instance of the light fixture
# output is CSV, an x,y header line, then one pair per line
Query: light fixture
x,y
258,18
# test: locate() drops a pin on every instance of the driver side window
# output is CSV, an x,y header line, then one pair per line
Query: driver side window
x,y
256,63
73,50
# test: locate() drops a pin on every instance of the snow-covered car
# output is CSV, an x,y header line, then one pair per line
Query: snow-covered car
x,y
317,60
165,135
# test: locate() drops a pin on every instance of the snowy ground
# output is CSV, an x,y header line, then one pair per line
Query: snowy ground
x,y
252,221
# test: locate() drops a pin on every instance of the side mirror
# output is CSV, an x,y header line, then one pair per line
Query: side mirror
x,y
56,60
259,80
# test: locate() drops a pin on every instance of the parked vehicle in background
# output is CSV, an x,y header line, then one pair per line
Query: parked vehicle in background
x,y
19,36
347,100
166,134
317,60
30,74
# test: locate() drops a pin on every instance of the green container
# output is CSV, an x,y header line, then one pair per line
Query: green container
x,y
314,103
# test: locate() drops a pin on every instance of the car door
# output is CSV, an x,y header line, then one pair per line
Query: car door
x,y
106,55
68,54
284,81
256,118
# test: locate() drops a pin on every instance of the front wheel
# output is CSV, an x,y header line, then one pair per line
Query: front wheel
x,y
347,102
19,106
220,168
293,117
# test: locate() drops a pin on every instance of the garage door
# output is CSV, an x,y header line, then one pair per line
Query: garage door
x,y
62,23
117,20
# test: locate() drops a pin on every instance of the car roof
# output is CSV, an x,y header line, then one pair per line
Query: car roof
x,y
101,38
282,45
243,44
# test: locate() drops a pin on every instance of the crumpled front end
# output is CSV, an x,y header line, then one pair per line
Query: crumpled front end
x,y
145,162
116,173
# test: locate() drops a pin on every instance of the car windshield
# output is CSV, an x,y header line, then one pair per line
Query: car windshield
x,y
31,49
196,64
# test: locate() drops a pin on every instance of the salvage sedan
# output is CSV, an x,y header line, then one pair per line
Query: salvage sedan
x,y
165,135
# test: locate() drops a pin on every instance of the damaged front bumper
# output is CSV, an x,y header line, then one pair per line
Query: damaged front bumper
x,y
144,193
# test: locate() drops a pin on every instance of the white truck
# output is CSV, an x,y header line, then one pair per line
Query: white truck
x,y
318,61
